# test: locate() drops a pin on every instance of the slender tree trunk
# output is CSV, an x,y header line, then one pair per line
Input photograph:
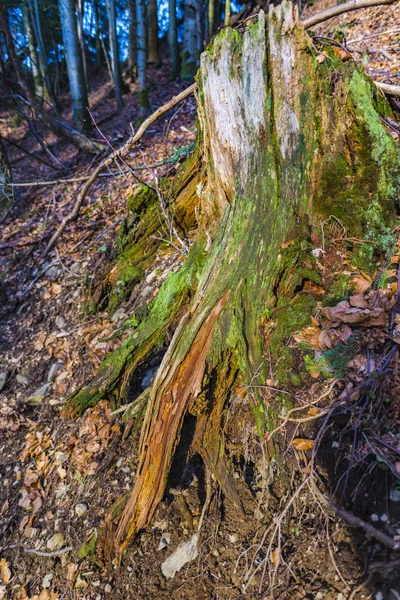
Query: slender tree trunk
x,y
80,9
33,55
152,28
97,33
173,40
190,54
55,124
227,17
116,68
142,58
77,84
132,35
35,16
5,178
211,18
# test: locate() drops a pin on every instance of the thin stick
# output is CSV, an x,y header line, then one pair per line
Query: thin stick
x,y
392,90
44,553
120,153
342,8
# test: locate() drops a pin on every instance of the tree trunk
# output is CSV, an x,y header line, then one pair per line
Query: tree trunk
x,y
142,58
33,55
59,127
97,32
6,194
227,17
211,18
132,35
79,22
173,40
286,142
116,68
42,62
152,29
190,40
77,84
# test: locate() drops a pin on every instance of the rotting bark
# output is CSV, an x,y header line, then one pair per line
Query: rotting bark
x,y
286,142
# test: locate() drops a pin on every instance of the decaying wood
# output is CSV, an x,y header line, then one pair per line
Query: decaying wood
x,y
175,387
275,136
120,153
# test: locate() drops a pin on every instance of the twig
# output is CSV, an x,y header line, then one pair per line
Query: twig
x,y
120,153
373,35
355,521
44,553
340,9
103,233
392,90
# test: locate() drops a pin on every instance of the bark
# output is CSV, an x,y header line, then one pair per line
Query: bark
x,y
59,127
33,55
5,178
286,142
190,57
152,19
211,18
227,17
116,67
142,58
77,84
173,40
132,34
42,58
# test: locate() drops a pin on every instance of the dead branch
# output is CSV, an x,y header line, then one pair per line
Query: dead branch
x,y
355,521
120,153
387,88
342,8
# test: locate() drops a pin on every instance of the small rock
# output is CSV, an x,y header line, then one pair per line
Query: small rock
x,y
395,495
80,509
60,322
55,542
46,583
3,379
374,517
53,273
319,596
182,555
108,589
165,540
22,379
379,596
30,532
341,597
80,583
40,394
233,538
57,524
384,518
53,371
118,315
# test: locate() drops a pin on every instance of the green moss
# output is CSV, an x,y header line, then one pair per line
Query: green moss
x,y
288,319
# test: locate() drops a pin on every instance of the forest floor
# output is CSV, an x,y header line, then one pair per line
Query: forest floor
x,y
60,475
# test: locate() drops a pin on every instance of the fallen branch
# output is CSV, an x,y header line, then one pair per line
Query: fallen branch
x,y
48,554
392,90
120,153
342,8
354,521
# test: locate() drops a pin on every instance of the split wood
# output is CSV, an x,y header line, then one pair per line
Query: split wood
x,y
125,149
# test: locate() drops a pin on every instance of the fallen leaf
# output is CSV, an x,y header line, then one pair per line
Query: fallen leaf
x,y
303,444
5,571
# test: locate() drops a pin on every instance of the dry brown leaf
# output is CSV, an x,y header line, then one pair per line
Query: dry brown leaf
x,y
303,444
321,58
361,284
276,557
342,54
5,571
